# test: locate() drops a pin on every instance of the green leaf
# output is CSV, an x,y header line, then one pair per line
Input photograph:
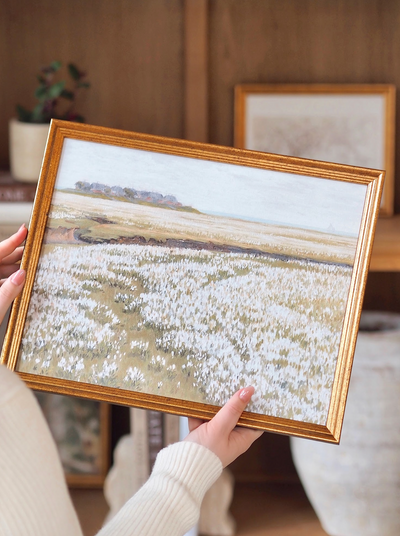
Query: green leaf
x,y
74,72
67,94
55,90
55,65
83,84
37,114
41,79
23,114
41,92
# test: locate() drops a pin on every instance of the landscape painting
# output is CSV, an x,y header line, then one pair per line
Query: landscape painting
x,y
189,278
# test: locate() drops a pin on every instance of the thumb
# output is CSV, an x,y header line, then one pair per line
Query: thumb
x,y
227,417
10,290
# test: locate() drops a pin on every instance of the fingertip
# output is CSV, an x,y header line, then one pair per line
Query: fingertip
x,y
246,393
18,277
22,230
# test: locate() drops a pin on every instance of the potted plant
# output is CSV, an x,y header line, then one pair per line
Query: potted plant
x,y
28,132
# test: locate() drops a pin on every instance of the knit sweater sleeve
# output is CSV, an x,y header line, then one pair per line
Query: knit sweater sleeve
x,y
34,497
169,503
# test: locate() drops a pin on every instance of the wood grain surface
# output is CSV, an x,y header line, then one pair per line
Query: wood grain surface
x,y
132,52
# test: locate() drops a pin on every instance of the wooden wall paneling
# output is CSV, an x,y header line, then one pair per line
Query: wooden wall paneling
x,y
335,41
132,51
382,292
196,70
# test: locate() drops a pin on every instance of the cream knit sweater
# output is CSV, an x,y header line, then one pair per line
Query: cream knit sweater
x,y
34,499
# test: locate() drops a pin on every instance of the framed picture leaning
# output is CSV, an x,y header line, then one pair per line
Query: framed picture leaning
x,y
345,123
81,430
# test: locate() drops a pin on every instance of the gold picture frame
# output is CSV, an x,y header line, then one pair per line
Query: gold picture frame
x,y
344,123
166,274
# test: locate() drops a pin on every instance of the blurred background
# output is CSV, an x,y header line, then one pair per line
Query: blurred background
x,y
169,67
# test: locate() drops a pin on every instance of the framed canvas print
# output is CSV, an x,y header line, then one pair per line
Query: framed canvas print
x,y
167,274
81,430
344,123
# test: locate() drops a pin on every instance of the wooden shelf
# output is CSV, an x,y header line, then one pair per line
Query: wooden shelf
x,y
386,250
259,509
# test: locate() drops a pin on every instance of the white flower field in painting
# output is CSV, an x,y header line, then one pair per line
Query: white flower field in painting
x,y
190,324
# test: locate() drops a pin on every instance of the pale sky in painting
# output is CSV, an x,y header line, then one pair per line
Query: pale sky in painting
x,y
218,188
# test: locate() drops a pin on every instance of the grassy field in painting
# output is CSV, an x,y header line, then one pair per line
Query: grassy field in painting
x,y
104,219
187,323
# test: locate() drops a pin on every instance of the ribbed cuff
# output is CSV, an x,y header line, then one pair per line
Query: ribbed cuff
x,y
169,503
194,466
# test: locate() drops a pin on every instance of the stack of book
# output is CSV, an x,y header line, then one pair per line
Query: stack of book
x,y
16,200
152,431
135,454
12,191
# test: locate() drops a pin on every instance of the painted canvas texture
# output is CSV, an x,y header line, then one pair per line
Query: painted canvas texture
x,y
165,275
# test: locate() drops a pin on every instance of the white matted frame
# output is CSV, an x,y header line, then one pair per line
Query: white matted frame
x,y
344,123
166,274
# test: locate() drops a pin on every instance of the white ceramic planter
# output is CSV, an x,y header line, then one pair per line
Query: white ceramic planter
x,y
355,487
27,142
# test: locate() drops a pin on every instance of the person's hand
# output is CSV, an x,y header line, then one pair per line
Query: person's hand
x,y
12,279
220,435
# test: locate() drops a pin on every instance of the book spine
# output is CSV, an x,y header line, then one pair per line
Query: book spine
x,y
17,194
139,431
171,429
183,428
155,435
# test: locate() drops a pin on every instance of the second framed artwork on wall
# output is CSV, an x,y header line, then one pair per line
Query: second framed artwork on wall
x,y
351,124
